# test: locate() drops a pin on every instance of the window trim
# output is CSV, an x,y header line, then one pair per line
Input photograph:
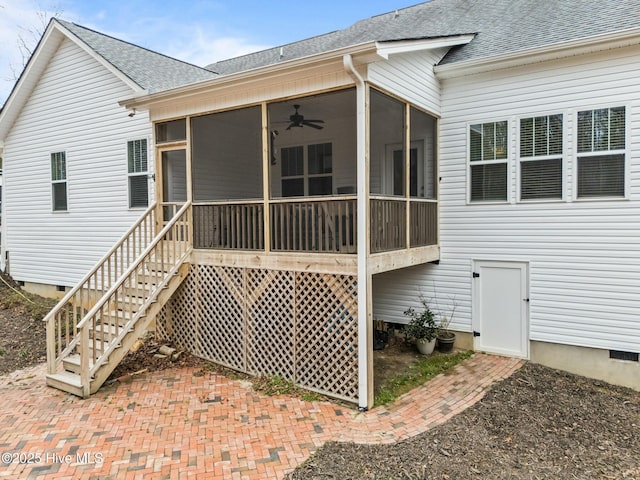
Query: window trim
x,y
507,160
64,181
564,156
138,174
626,151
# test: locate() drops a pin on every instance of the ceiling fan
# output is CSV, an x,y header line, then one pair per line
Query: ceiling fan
x,y
298,120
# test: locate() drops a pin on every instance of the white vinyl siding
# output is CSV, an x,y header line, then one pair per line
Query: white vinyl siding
x,y
540,158
411,77
488,161
601,153
584,256
74,107
59,181
138,169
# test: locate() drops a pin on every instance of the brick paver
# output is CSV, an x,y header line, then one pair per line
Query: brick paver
x,y
181,424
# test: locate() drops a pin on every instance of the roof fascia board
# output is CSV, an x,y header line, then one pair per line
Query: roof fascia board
x,y
364,53
35,66
535,55
99,58
386,49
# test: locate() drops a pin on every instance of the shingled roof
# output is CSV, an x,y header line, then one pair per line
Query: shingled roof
x,y
501,27
150,70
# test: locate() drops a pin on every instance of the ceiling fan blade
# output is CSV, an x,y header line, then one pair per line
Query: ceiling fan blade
x,y
312,125
314,121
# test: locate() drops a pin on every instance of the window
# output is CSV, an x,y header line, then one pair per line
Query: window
x,y
173,131
320,169
488,159
292,171
395,171
541,158
316,179
59,181
601,153
138,167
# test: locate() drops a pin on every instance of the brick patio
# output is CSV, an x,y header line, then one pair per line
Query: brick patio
x,y
179,423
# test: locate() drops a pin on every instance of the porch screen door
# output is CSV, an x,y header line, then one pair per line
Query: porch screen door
x,y
174,181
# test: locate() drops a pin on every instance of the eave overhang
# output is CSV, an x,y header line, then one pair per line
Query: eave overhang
x,y
554,51
362,54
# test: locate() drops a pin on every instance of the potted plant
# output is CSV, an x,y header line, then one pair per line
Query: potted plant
x,y
445,337
422,328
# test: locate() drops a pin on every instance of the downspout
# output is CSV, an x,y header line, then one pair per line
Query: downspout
x,y
365,334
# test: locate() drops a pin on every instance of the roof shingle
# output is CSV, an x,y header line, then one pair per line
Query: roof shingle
x,y
502,27
152,71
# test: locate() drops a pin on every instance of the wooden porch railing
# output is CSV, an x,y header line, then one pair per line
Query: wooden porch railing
x,y
237,226
424,223
314,225
388,224
318,224
62,320
168,210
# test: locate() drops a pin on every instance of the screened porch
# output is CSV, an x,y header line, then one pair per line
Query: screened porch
x,y
282,176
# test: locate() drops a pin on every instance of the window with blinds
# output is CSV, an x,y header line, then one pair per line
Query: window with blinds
x,y
601,153
541,158
138,168
59,181
488,161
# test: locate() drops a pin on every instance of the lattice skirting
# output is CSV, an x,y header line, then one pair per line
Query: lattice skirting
x,y
298,325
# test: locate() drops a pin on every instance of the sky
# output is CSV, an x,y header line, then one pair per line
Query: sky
x,y
200,32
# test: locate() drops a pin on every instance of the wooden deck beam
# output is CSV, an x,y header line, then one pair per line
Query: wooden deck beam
x,y
292,261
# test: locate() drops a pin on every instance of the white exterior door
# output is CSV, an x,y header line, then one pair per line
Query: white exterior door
x,y
501,306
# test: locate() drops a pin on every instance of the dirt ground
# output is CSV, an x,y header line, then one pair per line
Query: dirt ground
x,y
539,423
22,332
393,360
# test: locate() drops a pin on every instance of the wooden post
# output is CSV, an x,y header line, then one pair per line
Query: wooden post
x,y
407,174
85,378
266,160
51,344
365,330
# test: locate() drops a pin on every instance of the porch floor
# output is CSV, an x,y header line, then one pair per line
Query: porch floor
x,y
173,422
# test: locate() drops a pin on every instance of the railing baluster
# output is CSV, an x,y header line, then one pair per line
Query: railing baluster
x,y
62,321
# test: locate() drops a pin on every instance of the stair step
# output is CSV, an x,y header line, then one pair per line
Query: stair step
x,y
108,324
116,317
66,381
108,331
100,345
72,363
133,299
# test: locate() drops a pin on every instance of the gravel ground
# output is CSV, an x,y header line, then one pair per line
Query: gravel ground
x,y
538,424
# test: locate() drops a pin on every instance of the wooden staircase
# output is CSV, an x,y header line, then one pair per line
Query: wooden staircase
x,y
94,326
